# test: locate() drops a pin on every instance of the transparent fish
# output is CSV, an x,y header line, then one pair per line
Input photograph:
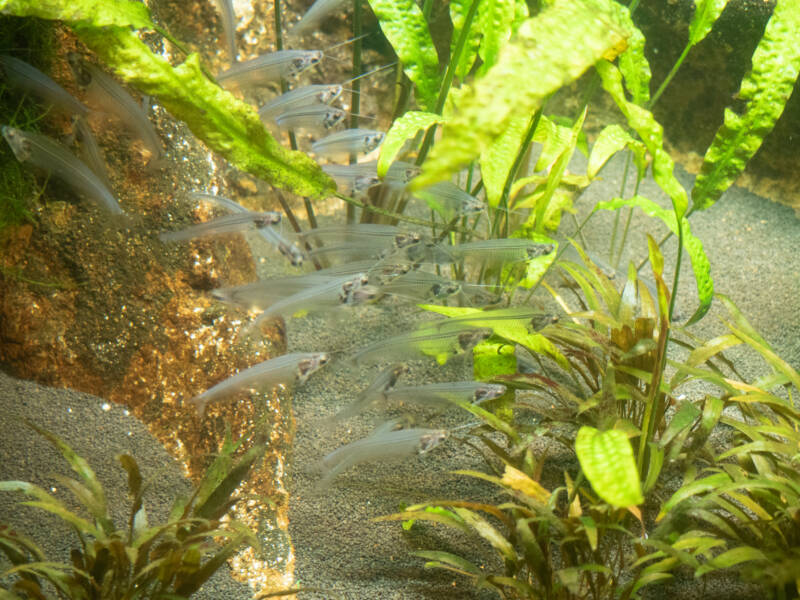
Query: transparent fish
x,y
450,201
44,153
315,15
271,235
264,293
228,17
366,247
421,285
429,341
349,141
500,251
350,233
329,294
90,150
374,393
359,177
382,444
531,319
241,221
30,79
315,117
471,391
269,68
115,99
318,93
283,370
378,272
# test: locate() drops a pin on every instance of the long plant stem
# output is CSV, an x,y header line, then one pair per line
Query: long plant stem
x,y
669,76
447,80
355,94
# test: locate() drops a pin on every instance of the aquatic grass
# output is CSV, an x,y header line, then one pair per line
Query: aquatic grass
x,y
136,560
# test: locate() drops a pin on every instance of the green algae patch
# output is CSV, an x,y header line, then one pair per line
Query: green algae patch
x,y
227,125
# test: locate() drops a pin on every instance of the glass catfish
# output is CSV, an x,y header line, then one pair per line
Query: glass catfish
x,y
287,369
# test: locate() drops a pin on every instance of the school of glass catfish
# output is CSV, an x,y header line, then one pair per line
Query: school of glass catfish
x,y
354,264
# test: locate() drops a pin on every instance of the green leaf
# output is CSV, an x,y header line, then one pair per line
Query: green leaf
x,y
732,558
692,244
706,12
458,15
494,23
684,418
766,89
557,45
606,458
99,13
404,25
404,128
695,488
488,532
497,160
218,501
490,359
447,558
227,125
651,133
634,66
611,140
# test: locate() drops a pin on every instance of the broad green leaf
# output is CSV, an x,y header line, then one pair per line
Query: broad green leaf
x,y
448,558
550,50
692,244
227,125
554,139
490,359
404,25
494,23
403,129
217,502
537,267
497,160
634,66
606,458
611,140
732,558
590,528
651,133
765,89
706,12
695,488
654,466
487,532
98,13
684,418
458,16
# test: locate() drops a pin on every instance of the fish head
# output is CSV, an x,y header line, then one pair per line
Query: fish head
x,y
488,391
333,117
19,145
266,219
469,339
445,290
307,366
535,250
82,75
372,141
403,240
294,255
301,63
329,94
430,440
364,182
472,206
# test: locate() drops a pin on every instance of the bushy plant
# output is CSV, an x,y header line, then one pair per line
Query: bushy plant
x,y
138,560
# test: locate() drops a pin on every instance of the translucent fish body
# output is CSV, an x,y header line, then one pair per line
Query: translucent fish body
x,y
374,393
315,117
30,79
449,200
264,293
349,141
420,285
422,341
269,68
381,445
471,391
501,251
112,97
315,15
228,17
306,95
241,221
44,153
287,369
